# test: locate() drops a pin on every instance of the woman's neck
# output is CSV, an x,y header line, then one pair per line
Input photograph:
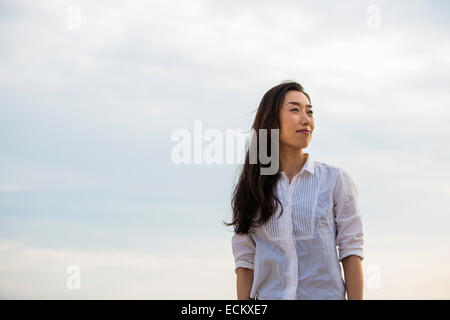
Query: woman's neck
x,y
292,161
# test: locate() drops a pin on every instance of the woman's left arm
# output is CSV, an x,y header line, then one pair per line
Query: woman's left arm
x,y
353,277
349,234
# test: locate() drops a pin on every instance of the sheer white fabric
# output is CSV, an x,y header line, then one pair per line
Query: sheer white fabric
x,y
296,255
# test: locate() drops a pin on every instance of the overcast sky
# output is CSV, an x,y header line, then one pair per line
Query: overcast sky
x,y
91,92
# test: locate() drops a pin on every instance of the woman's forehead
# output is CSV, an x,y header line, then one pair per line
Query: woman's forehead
x,y
296,98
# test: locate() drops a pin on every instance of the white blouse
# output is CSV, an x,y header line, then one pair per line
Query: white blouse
x,y
295,257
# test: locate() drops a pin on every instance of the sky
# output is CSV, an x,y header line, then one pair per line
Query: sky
x,y
91,93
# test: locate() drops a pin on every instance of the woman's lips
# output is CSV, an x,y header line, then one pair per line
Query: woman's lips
x,y
303,131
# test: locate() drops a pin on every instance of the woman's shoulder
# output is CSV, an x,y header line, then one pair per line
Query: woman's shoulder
x,y
340,177
336,177
327,168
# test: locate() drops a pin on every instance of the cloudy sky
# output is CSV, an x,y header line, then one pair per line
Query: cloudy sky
x,y
91,92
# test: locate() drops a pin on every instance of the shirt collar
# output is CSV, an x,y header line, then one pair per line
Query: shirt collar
x,y
309,164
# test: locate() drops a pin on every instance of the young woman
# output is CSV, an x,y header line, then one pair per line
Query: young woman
x,y
287,225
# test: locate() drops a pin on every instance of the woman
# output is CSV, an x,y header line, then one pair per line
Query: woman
x,y
288,225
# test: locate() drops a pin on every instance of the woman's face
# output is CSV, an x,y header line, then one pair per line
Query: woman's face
x,y
296,114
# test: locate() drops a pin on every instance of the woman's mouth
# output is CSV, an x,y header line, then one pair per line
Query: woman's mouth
x,y
303,131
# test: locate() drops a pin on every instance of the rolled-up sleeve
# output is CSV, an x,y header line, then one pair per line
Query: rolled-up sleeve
x,y
349,230
243,251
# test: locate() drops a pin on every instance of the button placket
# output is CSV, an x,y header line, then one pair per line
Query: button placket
x,y
289,218
291,188
292,279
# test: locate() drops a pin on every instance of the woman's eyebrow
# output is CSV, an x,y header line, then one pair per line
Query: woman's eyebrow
x,y
298,104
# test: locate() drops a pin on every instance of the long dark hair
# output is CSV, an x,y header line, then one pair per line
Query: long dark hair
x,y
255,192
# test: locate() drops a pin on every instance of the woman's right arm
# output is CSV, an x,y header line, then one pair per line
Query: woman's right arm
x,y
244,283
244,248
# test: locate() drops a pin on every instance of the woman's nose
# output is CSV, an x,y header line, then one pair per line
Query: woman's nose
x,y
305,119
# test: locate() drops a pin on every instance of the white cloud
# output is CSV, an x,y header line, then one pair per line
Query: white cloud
x,y
411,267
187,273
11,187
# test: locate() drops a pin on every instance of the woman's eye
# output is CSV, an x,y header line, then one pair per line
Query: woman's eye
x,y
296,109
